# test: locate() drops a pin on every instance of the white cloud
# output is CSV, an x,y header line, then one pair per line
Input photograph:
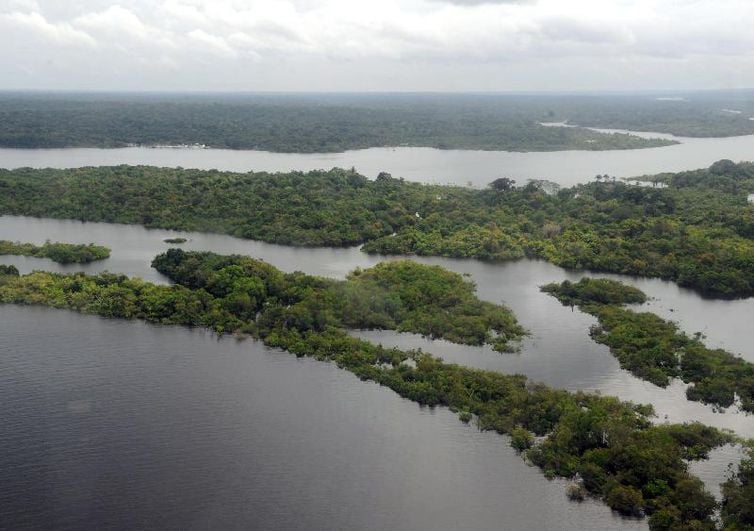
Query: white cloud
x,y
440,35
58,34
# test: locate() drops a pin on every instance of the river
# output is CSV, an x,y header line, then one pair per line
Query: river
x,y
280,442
125,424
465,167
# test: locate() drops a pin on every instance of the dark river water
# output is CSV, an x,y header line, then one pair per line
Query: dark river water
x,y
464,167
132,425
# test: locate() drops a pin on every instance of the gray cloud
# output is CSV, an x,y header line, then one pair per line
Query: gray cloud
x,y
391,45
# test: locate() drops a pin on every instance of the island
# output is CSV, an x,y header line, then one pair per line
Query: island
x,y
653,349
62,253
697,232
609,449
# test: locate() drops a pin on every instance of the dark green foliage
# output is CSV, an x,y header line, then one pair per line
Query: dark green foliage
x,y
399,295
62,253
8,270
175,240
653,349
595,290
627,500
700,237
302,124
336,208
635,466
738,497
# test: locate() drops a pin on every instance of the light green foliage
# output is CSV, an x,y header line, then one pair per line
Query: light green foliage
x,y
63,253
428,299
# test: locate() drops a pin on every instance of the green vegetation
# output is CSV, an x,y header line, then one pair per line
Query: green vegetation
x,y
8,270
738,497
62,253
595,291
700,236
175,240
302,124
399,295
697,114
608,446
653,349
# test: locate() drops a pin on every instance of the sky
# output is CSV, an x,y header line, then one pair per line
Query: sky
x,y
382,45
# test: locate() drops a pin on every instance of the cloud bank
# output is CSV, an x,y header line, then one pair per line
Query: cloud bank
x,y
388,45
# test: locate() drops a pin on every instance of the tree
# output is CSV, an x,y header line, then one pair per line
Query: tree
x,y
503,184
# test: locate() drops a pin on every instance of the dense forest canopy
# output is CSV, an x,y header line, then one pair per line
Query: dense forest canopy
x,y
62,253
303,123
610,448
700,235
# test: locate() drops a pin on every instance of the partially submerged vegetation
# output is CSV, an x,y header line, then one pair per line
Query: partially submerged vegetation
x,y
8,270
738,495
654,349
610,447
62,253
175,240
700,236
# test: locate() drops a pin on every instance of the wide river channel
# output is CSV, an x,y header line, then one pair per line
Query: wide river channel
x,y
128,425
465,167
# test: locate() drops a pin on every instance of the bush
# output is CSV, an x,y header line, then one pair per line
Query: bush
x,y
627,500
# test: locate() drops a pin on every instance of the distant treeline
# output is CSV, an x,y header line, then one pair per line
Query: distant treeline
x,y
62,253
293,124
698,232
609,448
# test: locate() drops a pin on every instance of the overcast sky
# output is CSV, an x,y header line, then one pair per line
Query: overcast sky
x,y
380,45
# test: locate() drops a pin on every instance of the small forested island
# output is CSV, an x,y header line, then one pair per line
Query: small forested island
x,y
653,349
609,448
175,240
698,231
62,253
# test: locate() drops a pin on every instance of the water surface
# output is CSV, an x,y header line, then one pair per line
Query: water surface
x,y
271,441
465,167
120,424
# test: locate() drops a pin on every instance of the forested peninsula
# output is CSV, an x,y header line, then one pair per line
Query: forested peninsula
x,y
62,253
610,448
697,231
654,349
